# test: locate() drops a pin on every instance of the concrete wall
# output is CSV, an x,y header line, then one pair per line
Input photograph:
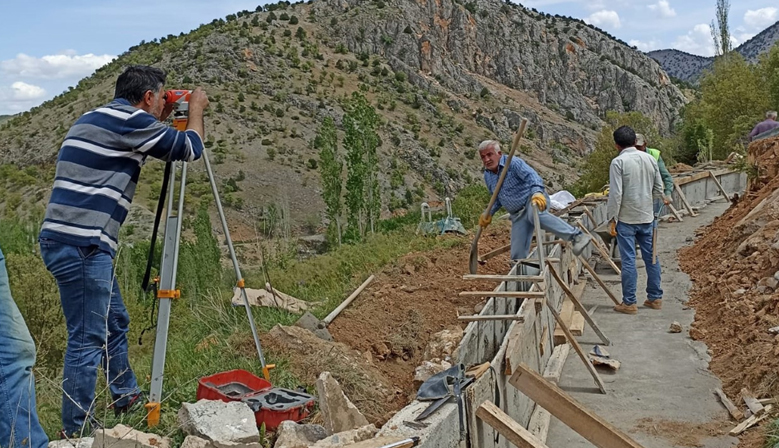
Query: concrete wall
x,y
507,343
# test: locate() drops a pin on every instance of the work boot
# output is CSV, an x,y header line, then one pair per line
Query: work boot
x,y
654,304
626,309
580,242
135,403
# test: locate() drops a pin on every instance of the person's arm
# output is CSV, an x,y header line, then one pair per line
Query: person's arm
x,y
149,137
753,133
657,185
668,180
615,190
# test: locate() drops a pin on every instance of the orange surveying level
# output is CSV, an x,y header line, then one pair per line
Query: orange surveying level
x,y
180,101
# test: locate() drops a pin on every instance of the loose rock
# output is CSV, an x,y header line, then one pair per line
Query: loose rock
x,y
294,435
338,412
219,421
122,436
676,327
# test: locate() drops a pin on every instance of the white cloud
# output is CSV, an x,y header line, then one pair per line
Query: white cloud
x,y
644,46
67,64
604,19
21,91
696,41
663,9
762,18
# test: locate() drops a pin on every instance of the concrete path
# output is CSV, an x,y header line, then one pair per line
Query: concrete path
x,y
662,395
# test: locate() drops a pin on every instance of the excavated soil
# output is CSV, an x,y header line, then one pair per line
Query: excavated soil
x,y
685,434
394,319
734,265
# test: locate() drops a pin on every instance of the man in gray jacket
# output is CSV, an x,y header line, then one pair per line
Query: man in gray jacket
x,y
634,180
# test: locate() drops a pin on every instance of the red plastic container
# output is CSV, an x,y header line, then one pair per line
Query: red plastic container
x,y
230,386
270,405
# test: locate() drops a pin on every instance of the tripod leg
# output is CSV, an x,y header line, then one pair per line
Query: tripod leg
x,y
238,276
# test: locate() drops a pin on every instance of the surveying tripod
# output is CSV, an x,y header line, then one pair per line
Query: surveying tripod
x,y
166,282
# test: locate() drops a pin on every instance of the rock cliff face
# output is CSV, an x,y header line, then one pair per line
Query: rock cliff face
x,y
442,75
566,65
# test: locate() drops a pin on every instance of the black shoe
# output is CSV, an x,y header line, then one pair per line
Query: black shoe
x,y
135,403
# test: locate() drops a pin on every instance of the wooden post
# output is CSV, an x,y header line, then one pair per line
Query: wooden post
x,y
327,320
719,185
599,280
578,305
684,200
507,427
585,422
603,252
675,212
576,347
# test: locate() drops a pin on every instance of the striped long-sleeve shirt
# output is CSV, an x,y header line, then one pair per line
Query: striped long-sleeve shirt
x,y
520,183
98,168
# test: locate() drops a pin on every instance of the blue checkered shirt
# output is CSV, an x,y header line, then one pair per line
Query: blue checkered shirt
x,y
520,183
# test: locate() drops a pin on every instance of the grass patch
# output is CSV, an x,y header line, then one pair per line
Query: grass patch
x,y
206,335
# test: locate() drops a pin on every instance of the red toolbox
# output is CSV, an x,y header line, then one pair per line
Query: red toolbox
x,y
271,405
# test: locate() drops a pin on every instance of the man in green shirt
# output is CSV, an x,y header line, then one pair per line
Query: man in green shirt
x,y
668,181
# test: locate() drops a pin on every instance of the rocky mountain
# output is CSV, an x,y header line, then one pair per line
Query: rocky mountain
x,y
689,67
442,74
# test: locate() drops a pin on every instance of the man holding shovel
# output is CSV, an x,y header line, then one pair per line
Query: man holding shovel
x,y
522,188
634,179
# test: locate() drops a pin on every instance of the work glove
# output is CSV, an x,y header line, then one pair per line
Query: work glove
x,y
485,220
539,200
613,228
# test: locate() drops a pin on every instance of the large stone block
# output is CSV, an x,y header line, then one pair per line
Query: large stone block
x,y
219,421
339,413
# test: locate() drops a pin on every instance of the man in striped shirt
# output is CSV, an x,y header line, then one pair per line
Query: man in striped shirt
x,y
521,188
96,176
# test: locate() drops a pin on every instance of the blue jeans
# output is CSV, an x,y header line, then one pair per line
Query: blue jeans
x,y
522,228
97,324
627,236
19,425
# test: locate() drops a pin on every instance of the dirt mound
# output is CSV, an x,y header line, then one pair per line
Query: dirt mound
x,y
309,356
392,322
735,267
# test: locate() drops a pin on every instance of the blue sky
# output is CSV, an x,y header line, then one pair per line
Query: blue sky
x,y
48,45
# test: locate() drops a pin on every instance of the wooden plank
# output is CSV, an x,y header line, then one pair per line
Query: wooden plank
x,y
684,200
577,348
604,253
579,307
732,409
507,427
517,294
539,423
765,401
585,422
566,314
490,317
754,406
554,368
495,253
544,340
719,185
750,422
692,178
516,339
599,280
577,324
504,278
541,418
675,213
